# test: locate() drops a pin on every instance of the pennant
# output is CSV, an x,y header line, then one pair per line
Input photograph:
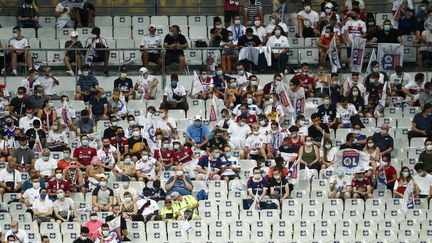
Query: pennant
x,y
293,171
37,147
408,198
255,205
196,85
333,55
372,58
357,53
390,56
396,17
285,101
382,179
382,101
216,108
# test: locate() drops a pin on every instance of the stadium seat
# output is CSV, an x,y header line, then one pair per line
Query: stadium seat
x,y
70,227
141,21
411,111
394,214
193,57
309,55
198,21
178,20
49,227
47,21
249,215
46,33
393,112
159,20
122,21
8,21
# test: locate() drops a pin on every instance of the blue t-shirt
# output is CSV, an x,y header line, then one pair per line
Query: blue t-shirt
x,y
383,142
198,134
359,138
86,83
179,186
257,186
220,84
214,164
421,122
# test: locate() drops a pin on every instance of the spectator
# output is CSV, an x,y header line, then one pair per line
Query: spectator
x,y
10,179
148,208
231,10
179,183
38,99
84,236
324,43
362,186
422,123
175,42
110,131
425,157
328,154
340,186
137,143
333,24
31,193
230,166
372,28
19,234
119,212
384,141
238,131
185,207
167,126
19,103
49,83
102,196
42,208
98,105
175,95
118,140
27,16
309,154
413,89
94,173
197,134
94,45
46,165
85,15
75,177
66,114
36,135
108,234
307,21
19,53
355,98
127,167
304,80
217,141
64,15
425,52
259,30
29,182
229,53
84,153
124,84
318,130
327,13
67,159
164,155
58,183
209,166
373,150
148,168
349,142
24,154
47,114
345,113
257,186
206,82
421,16
424,182
167,211
64,208
349,4
148,46
402,182
217,33
425,97
389,170
279,187
85,125
249,39
406,20
31,82
73,55
356,6
353,28
398,80
86,84
146,85
276,21
327,111
125,188
388,34
108,154
279,40
117,105
255,145
237,29
94,225
251,10
322,81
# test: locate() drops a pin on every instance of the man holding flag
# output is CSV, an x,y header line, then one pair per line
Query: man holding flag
x,y
257,188
202,85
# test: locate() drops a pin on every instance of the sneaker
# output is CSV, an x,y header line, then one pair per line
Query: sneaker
x,y
13,73
3,72
79,72
70,72
106,72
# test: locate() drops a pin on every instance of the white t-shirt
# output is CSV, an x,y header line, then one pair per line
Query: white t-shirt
x,y
238,31
341,183
99,40
279,110
345,114
260,32
64,206
29,90
46,168
22,236
234,163
143,82
50,88
5,176
31,194
44,206
397,3
107,157
19,44
150,209
424,183
354,28
413,88
238,132
255,143
179,90
26,123
64,15
328,16
403,80
281,42
162,124
270,27
348,4
312,17
149,41
69,115
54,137
330,154
147,168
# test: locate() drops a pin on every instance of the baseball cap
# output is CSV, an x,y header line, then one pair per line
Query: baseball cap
x,y
73,34
198,117
329,5
174,195
152,26
123,69
143,70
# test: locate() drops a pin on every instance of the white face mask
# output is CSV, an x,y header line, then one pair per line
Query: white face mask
x,y
384,163
301,122
277,177
128,199
328,146
105,233
257,23
237,21
93,218
60,195
429,147
15,35
36,185
307,8
326,102
257,176
179,173
135,133
59,176
370,145
145,157
308,143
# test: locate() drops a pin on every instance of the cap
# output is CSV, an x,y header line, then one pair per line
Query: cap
x,y
152,26
73,34
125,178
96,31
143,70
176,141
329,5
123,69
174,195
197,117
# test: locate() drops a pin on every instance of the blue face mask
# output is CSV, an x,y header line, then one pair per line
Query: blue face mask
x,y
173,83
43,196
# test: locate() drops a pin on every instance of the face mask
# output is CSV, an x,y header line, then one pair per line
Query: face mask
x,y
256,132
386,27
228,155
355,93
237,21
179,173
335,83
230,38
307,8
84,238
36,185
384,163
328,146
294,134
60,196
405,174
204,77
370,145
273,21
54,127
327,35
103,96
103,183
66,156
278,32
249,37
166,146
20,96
132,123
128,199
249,101
51,105
257,23
257,176
371,23
219,26
326,102
262,123
242,123
85,73
94,36
217,155
233,85
15,35
45,158
105,233
127,160
383,132
357,132
254,82
277,177
93,218
375,69
30,116
135,133
174,83
114,124
308,143
14,230
429,147
219,72
23,146
176,146
145,157
240,72
85,142
43,196
59,176
341,173
328,10
360,178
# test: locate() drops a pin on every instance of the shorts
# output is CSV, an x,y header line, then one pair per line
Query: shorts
x,y
99,57
153,57
426,55
20,57
254,156
172,58
230,177
230,14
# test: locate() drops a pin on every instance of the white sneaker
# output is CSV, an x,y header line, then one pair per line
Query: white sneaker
x,y
79,72
70,72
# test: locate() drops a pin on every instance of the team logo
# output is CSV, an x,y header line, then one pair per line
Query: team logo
x,y
357,55
350,159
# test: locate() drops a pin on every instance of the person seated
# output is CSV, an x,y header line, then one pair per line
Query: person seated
x,y
230,165
94,225
321,80
229,53
237,28
402,182
384,140
64,208
186,207
73,175
425,157
362,186
328,153
234,93
58,183
398,80
102,196
108,154
96,41
197,134
345,113
274,22
28,16
108,234
324,43
120,210
327,13
66,114
238,131
175,42
257,188
19,52
146,85
98,105
148,168
42,208
340,186
179,182
388,34
86,84
206,83
15,233
174,96
279,186
209,165
148,44
10,179
164,155
259,30
124,84
309,154
249,39
424,181
425,52
85,15
255,145
406,20
390,173
64,15
307,21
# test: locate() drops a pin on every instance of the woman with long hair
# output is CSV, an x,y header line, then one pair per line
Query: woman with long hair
x,y
402,182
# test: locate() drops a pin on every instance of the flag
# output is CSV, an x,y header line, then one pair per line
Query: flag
x,y
390,56
285,101
351,161
207,178
127,61
212,59
333,55
357,51
37,147
293,171
35,5
309,174
382,179
216,108
408,198
348,87
256,204
382,101
115,232
196,85
371,59
396,17
90,54
76,3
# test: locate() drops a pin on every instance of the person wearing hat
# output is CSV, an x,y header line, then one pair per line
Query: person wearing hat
x,y
94,172
175,42
86,85
74,176
124,84
97,41
197,134
185,207
72,55
146,85
149,54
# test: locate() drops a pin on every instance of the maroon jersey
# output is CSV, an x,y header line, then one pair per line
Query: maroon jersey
x,y
84,155
164,154
54,185
183,156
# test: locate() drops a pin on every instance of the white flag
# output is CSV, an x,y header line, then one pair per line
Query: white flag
x,y
382,101
390,56
333,55
285,101
357,52
216,108
371,59
351,161
408,198
196,85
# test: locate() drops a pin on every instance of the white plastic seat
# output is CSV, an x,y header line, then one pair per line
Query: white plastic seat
x,y
33,236
260,225
49,227
296,42
178,234
388,234
396,215
353,215
55,58
198,32
122,33
344,234
8,21
325,224
409,224
305,234
193,57
318,194
155,226
408,234
219,235
368,122
311,42
366,235
228,215
46,33
324,235
47,21
334,215
69,227
141,21
156,236
159,20
387,194
410,54
122,21
311,215
17,207
114,58
238,235
411,111
387,224
260,235
198,235
354,204
291,214
22,217
415,214
197,21
103,21
270,215
249,215
177,114
208,215
417,142
299,195
375,203
392,112
367,224
380,17
385,120
85,33
217,195
309,55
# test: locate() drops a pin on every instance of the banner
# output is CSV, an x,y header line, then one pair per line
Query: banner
x,y
357,53
381,104
333,55
285,101
293,172
351,161
382,179
408,198
196,85
390,56
216,108
372,58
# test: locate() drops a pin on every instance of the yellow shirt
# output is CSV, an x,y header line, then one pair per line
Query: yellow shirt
x,y
188,201
168,214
